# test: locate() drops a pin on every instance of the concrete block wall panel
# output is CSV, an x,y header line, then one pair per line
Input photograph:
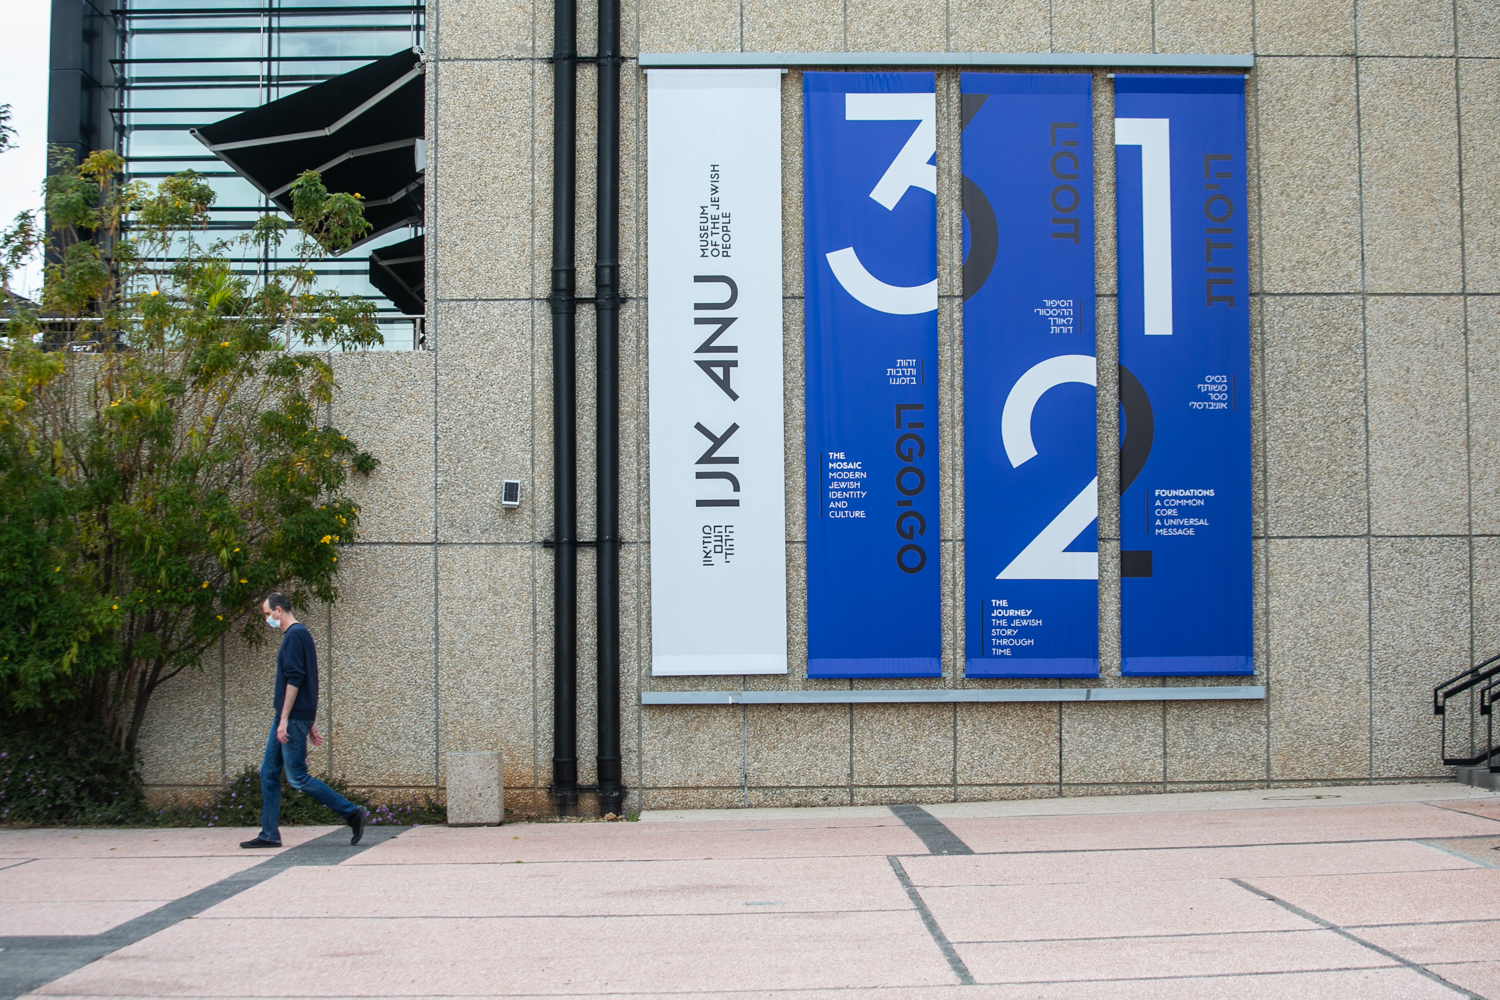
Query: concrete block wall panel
x,y
1309,231
1479,107
384,403
486,668
386,695
1417,415
182,733
1298,28
1319,670
999,26
1409,154
1478,29
1419,638
1483,321
1376,407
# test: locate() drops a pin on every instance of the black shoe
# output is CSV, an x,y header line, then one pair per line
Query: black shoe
x,y
258,842
357,824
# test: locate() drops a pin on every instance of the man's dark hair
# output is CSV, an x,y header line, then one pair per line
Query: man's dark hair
x,y
277,601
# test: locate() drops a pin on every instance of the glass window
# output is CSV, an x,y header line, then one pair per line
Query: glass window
x,y
193,62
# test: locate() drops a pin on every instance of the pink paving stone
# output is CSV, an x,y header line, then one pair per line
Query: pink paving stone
x,y
1395,821
333,957
1425,897
646,841
1481,977
196,842
1371,984
579,888
1487,809
116,879
1136,958
68,919
1180,863
1095,910
1427,944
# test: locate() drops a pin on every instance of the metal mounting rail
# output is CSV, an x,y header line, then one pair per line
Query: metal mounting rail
x,y
746,60
945,696
1486,673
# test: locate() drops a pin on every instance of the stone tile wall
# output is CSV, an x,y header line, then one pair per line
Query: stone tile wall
x,y
1376,271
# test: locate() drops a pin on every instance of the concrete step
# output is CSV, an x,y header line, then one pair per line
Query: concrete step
x,y
1479,776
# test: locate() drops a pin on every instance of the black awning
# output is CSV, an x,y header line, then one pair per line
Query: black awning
x,y
362,131
399,271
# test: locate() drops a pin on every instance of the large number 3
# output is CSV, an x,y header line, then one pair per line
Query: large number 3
x,y
1043,558
908,170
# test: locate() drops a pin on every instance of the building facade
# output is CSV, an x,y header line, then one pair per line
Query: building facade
x,y
1374,392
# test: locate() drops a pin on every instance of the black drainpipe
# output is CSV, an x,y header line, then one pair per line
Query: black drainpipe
x,y
607,312
564,785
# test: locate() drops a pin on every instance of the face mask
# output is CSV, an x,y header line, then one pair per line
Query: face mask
x,y
271,621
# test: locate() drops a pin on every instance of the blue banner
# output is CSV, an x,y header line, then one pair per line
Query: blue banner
x,y
1031,483
1185,559
873,542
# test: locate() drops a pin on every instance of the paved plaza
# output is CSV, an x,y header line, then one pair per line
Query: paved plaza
x,y
1359,892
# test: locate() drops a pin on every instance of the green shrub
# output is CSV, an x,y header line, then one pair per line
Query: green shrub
x,y
71,774
65,774
238,804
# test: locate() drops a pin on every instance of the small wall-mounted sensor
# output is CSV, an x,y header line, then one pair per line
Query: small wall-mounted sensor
x,y
510,493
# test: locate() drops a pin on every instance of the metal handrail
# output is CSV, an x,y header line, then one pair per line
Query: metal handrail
x,y
1486,673
1488,695
1460,683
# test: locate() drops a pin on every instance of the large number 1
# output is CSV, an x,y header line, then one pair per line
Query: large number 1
x,y
1043,558
908,170
1153,135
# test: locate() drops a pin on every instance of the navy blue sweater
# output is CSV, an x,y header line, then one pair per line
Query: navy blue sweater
x,y
297,664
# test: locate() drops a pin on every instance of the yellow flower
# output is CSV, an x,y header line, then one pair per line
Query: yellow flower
x,y
220,617
58,570
223,343
325,539
205,584
335,558
115,606
236,550
243,580
153,291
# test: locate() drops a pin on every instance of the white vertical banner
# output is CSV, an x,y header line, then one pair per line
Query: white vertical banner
x,y
718,475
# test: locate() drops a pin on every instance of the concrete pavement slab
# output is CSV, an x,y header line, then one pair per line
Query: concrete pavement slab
x,y
1092,910
72,918
1482,978
1217,829
154,842
1156,957
733,886
116,879
1170,864
648,842
1436,944
1299,799
1391,898
819,905
1367,984
546,956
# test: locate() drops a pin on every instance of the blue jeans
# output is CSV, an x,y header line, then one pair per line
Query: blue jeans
x,y
292,755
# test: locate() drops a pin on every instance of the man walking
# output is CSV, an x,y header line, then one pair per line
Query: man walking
x,y
296,703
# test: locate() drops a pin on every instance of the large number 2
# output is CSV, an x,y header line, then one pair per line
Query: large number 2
x,y
908,170
1043,558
